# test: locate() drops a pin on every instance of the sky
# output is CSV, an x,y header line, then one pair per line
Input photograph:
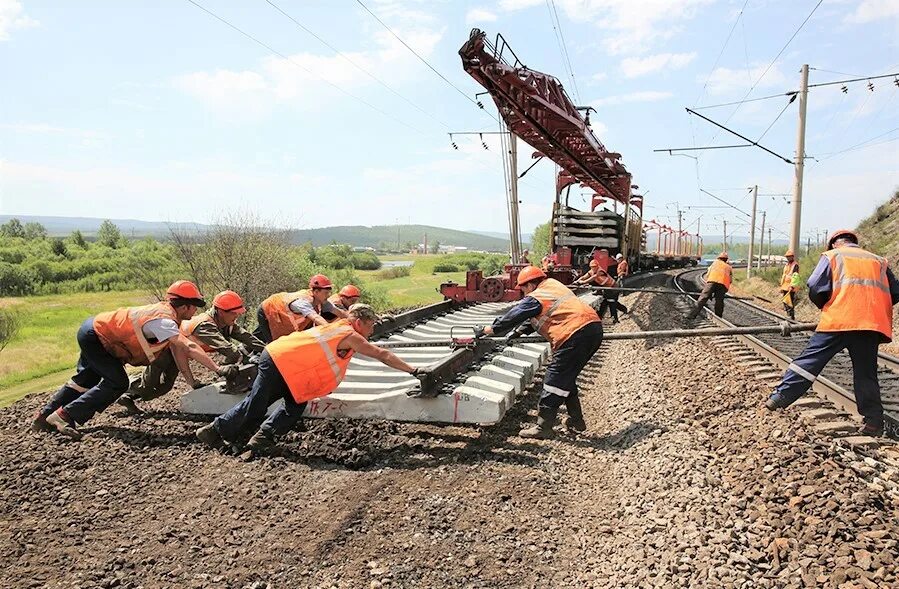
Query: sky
x,y
161,111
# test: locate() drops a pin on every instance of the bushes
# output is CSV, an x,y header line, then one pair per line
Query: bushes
x,y
445,267
394,272
10,323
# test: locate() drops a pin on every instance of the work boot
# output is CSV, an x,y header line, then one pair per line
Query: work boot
x,y
39,424
872,428
210,436
130,407
776,401
62,425
543,430
575,420
260,441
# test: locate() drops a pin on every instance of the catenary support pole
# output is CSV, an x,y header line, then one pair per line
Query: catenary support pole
x,y
800,161
755,195
762,243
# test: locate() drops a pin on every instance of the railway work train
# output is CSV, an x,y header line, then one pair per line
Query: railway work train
x,y
535,107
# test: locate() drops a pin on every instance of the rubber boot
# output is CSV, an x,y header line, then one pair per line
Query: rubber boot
x,y
575,420
260,442
543,430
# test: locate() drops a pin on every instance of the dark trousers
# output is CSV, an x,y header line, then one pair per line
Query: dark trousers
x,y
610,303
268,387
262,330
560,380
711,289
790,307
823,346
156,380
100,380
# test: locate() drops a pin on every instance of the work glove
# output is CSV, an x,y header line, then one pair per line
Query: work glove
x,y
229,370
480,332
199,385
418,372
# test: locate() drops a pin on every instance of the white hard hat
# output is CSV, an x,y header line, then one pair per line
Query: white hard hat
x,y
618,256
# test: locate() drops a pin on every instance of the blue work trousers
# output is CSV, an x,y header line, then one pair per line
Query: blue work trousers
x,y
822,346
262,330
560,380
268,387
100,380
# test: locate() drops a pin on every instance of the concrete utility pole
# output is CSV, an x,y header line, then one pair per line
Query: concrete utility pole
x,y
800,160
515,232
755,195
761,242
769,244
680,218
724,245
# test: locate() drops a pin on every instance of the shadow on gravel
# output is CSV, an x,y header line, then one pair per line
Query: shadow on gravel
x,y
154,438
619,441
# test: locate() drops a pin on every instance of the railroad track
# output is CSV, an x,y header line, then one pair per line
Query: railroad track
x,y
835,382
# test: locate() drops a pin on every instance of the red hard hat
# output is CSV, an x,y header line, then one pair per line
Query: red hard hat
x,y
350,291
185,289
228,300
530,273
320,281
841,233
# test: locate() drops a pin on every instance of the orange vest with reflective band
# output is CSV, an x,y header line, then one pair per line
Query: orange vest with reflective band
x,y
334,299
786,278
720,272
603,280
623,268
121,332
562,313
860,300
281,320
189,326
308,360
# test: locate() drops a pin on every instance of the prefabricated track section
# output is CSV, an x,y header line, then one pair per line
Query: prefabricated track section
x,y
481,394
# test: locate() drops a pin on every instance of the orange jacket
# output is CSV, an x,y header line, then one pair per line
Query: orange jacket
x,y
603,279
786,279
562,314
308,360
623,269
860,300
281,320
335,300
189,326
720,272
121,332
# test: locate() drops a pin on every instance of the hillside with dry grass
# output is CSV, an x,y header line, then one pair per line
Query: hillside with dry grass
x,y
879,233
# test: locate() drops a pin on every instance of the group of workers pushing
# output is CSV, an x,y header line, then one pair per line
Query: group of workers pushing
x,y
304,342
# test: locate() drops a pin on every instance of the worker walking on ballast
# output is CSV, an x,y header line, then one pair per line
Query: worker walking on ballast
x,y
717,282
215,330
298,368
789,284
574,331
855,291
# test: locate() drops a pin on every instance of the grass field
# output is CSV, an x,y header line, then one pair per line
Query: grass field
x,y
420,287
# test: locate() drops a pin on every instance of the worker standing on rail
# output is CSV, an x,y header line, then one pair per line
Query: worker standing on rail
x,y
574,331
596,276
297,368
789,284
623,269
215,330
856,291
287,312
717,283
131,335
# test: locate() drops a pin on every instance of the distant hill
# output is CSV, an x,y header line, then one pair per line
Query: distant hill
x,y
525,237
880,231
357,235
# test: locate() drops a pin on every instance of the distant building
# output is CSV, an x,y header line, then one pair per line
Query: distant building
x,y
359,248
452,249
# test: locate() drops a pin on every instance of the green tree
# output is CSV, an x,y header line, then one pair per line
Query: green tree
x,y
108,234
540,241
435,249
12,228
10,323
58,246
78,239
35,230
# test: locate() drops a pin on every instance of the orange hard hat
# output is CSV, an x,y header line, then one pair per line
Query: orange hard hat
x,y
185,289
789,253
594,263
230,301
320,281
841,233
722,256
530,273
350,291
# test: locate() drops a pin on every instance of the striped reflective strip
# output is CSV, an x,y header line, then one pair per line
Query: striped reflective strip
x,y
141,340
839,271
552,308
555,390
323,340
73,385
802,372
861,282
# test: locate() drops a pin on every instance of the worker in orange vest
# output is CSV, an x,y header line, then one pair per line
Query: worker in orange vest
x,y
287,312
297,368
717,283
574,331
596,276
131,335
789,284
215,331
345,298
623,269
856,291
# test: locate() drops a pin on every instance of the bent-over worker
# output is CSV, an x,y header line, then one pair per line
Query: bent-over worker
x,y
596,276
214,331
789,284
345,298
287,312
297,368
131,335
717,283
574,331
856,291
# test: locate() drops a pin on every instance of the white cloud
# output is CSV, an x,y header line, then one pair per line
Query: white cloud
x,y
86,137
518,4
634,67
726,80
599,77
644,96
13,17
479,15
872,10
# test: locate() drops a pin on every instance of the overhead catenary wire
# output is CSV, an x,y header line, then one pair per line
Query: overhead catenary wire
x,y
563,47
720,53
777,118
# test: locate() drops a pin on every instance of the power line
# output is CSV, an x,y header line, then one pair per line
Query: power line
x,y
302,67
849,81
777,118
422,59
780,95
564,46
863,144
720,53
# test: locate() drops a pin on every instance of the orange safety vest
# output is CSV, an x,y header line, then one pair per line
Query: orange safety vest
x,y
308,360
623,268
603,280
562,313
334,299
121,332
786,278
281,320
860,300
720,272
189,326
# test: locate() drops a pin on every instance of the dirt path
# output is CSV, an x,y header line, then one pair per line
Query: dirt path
x,y
682,481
